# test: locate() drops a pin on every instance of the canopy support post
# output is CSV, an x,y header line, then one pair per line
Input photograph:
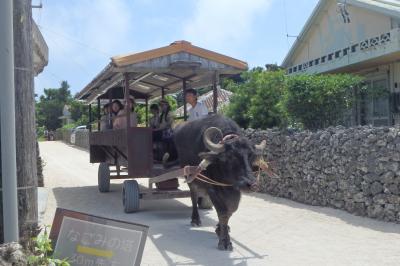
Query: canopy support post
x,y
90,118
184,100
109,115
127,112
162,93
215,92
98,114
147,111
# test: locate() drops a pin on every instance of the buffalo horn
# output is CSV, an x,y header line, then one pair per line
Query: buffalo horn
x,y
208,134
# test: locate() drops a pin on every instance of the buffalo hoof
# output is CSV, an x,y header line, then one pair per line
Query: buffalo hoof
x,y
195,222
225,245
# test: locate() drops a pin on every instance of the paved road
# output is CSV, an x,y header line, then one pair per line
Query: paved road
x,y
265,230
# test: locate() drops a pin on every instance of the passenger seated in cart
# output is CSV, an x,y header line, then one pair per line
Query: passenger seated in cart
x,y
163,129
105,122
199,109
120,118
116,107
155,119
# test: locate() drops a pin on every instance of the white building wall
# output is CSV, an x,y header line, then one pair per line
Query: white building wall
x,y
331,34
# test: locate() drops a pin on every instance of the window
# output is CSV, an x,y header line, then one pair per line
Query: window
x,y
381,104
323,59
330,56
337,54
345,51
317,61
354,48
395,23
300,67
310,64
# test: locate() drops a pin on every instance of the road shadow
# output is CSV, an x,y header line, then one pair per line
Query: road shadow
x,y
169,222
358,221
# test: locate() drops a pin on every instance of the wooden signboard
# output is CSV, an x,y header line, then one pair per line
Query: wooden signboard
x,y
95,241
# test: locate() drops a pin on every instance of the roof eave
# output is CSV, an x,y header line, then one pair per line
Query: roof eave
x,y
378,7
321,4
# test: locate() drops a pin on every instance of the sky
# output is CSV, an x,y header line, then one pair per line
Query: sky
x,y
83,35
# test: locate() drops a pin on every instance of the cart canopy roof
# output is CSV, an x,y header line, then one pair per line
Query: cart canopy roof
x,y
163,68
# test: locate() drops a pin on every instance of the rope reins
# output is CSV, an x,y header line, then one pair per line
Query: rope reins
x,y
208,180
187,172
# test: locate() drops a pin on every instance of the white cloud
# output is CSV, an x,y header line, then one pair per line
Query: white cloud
x,y
81,27
222,23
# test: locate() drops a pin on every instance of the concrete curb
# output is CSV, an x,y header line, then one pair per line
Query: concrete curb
x,y
43,195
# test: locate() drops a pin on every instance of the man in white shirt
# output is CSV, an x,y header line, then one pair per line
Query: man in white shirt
x,y
198,110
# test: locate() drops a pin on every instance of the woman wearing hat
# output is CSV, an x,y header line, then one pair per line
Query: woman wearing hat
x,y
105,122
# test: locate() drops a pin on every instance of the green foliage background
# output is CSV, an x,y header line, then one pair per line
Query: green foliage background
x,y
263,98
50,106
270,98
256,101
319,101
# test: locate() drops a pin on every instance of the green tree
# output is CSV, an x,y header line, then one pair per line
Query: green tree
x,y
318,101
256,102
50,106
79,112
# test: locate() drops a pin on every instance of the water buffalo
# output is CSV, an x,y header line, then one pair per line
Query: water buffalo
x,y
217,146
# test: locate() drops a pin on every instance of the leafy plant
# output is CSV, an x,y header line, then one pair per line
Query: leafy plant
x,y
256,102
43,250
318,101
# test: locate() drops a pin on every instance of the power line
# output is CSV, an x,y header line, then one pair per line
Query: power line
x,y
67,37
286,23
70,58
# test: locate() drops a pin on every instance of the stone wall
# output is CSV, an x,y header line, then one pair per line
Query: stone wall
x,y
81,137
354,169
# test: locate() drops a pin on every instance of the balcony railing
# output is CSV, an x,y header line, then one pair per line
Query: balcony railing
x,y
357,52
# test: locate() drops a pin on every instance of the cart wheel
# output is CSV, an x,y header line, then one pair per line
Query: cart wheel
x,y
130,196
104,177
205,203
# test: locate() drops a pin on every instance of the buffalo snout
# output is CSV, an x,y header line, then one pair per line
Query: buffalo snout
x,y
249,184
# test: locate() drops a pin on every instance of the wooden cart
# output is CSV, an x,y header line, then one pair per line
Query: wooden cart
x,y
128,153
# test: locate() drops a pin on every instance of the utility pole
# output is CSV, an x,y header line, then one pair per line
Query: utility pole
x,y
25,117
7,115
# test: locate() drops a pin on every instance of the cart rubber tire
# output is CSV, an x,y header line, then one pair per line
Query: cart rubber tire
x,y
131,196
104,178
205,203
